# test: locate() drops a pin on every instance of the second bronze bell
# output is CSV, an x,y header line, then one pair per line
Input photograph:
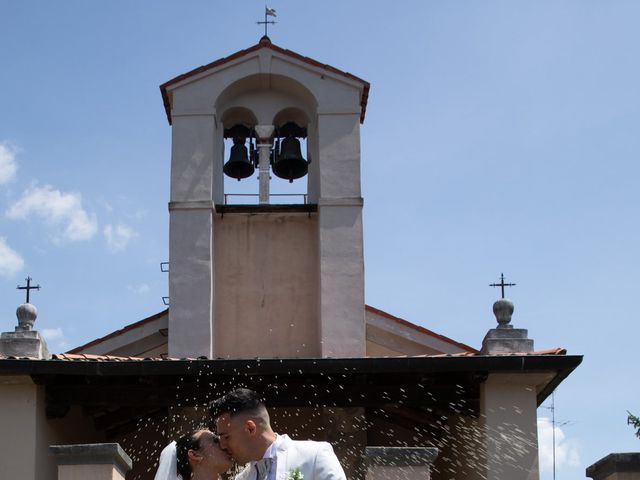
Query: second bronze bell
x,y
290,164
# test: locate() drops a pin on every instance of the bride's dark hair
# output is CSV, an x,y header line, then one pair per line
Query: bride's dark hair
x,y
183,445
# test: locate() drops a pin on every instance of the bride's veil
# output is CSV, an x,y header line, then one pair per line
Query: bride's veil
x,y
168,466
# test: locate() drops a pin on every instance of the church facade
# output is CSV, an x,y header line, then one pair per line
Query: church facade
x,y
270,295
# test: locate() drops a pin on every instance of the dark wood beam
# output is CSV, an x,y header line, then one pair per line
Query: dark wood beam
x,y
133,425
288,395
123,416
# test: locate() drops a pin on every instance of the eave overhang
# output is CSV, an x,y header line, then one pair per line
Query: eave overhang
x,y
286,382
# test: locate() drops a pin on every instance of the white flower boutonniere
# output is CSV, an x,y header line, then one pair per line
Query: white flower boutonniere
x,y
295,474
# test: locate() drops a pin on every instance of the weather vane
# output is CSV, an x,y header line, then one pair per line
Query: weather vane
x,y
268,12
28,288
502,284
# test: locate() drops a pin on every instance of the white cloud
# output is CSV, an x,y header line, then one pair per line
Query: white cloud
x,y
141,289
56,341
107,206
118,236
60,210
566,450
8,165
10,261
140,214
52,334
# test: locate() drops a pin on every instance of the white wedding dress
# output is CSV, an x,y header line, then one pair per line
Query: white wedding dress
x,y
168,466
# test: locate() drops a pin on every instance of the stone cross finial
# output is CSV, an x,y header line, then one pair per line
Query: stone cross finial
x,y
504,338
24,342
28,288
502,284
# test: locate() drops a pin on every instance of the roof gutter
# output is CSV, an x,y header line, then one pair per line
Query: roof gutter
x,y
563,364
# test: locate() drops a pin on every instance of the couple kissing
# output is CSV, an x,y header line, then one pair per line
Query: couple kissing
x,y
244,434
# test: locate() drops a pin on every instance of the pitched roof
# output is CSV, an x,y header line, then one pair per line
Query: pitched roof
x,y
265,43
369,308
117,333
420,329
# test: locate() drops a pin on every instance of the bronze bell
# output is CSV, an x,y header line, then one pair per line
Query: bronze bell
x,y
289,164
239,166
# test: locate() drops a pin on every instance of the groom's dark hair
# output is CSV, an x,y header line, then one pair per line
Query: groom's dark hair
x,y
240,400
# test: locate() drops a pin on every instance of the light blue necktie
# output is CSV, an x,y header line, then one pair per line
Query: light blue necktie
x,y
262,468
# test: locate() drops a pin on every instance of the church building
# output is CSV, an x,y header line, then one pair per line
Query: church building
x,y
268,293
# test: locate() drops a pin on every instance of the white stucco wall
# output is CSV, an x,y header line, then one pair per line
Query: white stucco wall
x,y
398,473
190,232
93,472
18,403
192,157
191,282
339,148
27,433
342,326
341,236
508,409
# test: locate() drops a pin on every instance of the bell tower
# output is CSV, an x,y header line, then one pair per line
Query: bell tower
x,y
266,278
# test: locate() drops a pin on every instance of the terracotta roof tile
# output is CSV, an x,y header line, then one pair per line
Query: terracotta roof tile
x,y
94,358
85,357
549,351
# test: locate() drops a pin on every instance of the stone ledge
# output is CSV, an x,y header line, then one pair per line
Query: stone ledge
x,y
400,456
338,111
615,463
270,208
341,202
92,454
192,205
192,112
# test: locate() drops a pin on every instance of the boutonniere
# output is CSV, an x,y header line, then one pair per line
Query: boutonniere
x,y
295,474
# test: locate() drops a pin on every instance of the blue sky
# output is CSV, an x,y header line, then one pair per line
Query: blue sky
x,y
500,136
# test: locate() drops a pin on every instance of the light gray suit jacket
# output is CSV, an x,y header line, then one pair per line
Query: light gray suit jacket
x,y
315,460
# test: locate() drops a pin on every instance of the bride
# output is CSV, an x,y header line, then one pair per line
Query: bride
x,y
194,456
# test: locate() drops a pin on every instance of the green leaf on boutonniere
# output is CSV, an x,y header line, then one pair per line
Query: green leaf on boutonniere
x,y
295,474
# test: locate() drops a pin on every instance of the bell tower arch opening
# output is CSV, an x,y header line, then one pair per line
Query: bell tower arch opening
x,y
286,109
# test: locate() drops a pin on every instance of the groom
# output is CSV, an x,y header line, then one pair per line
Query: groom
x,y
242,422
